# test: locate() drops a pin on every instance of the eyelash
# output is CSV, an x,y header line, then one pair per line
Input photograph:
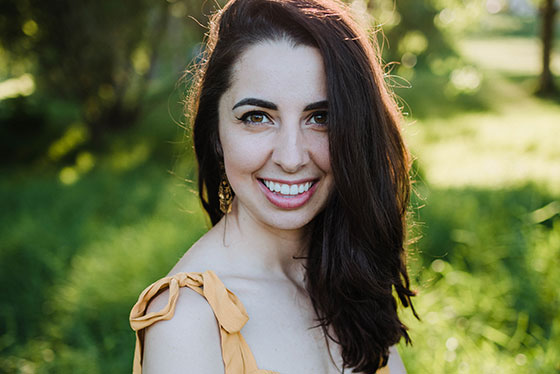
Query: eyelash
x,y
245,117
321,113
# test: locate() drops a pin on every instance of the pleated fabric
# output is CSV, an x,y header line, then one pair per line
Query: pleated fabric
x,y
228,309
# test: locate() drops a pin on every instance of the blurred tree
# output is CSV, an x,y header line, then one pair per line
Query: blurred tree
x,y
423,34
99,54
410,30
548,12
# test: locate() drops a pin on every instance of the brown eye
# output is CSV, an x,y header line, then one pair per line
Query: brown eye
x,y
319,118
254,118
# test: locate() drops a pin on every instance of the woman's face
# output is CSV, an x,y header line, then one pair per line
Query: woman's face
x,y
273,133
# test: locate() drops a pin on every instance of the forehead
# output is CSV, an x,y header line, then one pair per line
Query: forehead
x,y
279,72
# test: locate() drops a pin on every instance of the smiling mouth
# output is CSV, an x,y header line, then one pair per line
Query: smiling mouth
x,y
287,190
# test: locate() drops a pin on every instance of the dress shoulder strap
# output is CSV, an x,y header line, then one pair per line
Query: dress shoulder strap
x,y
228,309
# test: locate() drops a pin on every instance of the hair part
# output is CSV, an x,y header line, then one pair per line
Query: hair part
x,y
357,257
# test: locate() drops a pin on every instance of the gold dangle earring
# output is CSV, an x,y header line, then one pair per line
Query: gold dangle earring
x,y
224,192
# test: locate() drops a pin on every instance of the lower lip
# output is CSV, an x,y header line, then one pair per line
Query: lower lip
x,y
291,202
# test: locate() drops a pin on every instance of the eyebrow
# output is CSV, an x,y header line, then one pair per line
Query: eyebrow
x,y
256,102
323,104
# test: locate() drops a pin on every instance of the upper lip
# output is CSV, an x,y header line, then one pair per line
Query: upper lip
x,y
283,181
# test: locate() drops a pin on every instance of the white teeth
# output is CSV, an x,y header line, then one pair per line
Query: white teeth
x,y
287,189
294,189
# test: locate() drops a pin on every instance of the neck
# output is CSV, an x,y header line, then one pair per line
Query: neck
x,y
266,251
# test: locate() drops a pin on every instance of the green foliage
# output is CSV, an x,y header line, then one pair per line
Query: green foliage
x,y
415,34
101,58
74,258
487,275
82,51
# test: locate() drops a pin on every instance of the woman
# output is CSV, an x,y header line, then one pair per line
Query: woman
x,y
304,175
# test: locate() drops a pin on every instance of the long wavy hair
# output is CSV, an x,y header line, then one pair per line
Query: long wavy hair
x,y
356,259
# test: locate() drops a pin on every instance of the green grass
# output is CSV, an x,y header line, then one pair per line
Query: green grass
x,y
74,258
493,136
486,266
512,55
82,238
511,145
486,273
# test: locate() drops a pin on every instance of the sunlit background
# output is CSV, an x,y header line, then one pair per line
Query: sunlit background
x,y
97,198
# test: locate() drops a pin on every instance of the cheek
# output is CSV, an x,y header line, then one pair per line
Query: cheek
x,y
243,156
321,153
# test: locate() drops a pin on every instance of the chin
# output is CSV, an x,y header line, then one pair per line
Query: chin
x,y
289,222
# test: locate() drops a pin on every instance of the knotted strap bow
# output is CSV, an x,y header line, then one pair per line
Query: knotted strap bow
x,y
228,309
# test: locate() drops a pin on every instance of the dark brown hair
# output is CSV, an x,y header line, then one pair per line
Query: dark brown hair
x,y
356,257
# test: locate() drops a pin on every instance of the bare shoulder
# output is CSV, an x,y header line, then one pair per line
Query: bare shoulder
x,y
188,342
395,364
204,255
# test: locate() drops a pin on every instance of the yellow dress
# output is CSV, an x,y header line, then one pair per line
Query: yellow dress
x,y
228,309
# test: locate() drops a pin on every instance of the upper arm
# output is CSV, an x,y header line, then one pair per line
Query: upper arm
x,y
187,343
395,363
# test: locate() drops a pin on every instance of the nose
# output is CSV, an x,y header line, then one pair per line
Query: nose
x,y
290,151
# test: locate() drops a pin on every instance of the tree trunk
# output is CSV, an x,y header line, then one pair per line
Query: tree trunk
x,y
126,109
548,12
